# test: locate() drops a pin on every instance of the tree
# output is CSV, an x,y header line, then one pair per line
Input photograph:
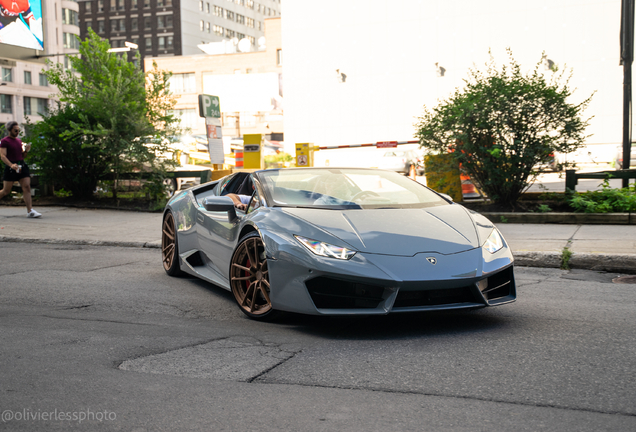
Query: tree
x,y
503,124
108,121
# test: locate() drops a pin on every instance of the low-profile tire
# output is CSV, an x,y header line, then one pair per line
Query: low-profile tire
x,y
249,279
170,246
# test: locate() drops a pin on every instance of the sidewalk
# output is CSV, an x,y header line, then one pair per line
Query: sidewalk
x,y
595,247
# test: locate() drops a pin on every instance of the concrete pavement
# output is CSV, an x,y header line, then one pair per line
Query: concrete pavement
x,y
594,247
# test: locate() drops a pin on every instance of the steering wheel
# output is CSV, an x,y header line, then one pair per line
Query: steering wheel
x,y
362,195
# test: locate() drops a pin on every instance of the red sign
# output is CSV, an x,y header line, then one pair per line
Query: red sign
x,y
385,144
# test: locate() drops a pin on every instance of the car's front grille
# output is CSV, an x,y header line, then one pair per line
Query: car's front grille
x,y
329,293
434,297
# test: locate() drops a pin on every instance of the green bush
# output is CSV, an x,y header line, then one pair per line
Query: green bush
x,y
606,200
504,123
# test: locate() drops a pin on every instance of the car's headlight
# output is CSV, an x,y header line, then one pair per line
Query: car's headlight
x,y
494,242
326,249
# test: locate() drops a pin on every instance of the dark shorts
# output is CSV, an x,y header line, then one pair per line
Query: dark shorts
x,y
12,176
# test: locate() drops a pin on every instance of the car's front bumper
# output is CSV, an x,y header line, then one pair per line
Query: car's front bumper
x,y
370,284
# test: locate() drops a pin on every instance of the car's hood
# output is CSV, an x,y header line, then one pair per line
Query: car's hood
x,y
444,229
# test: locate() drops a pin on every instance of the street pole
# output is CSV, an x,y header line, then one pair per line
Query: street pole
x,y
627,57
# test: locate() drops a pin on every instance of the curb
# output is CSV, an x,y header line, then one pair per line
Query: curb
x,y
617,263
147,245
563,218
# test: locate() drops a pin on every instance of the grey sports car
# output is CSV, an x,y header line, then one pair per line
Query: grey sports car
x,y
339,241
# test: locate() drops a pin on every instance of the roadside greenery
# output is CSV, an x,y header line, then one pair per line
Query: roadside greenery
x,y
606,200
503,124
112,119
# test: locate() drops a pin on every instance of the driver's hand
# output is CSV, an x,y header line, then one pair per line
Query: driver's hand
x,y
241,206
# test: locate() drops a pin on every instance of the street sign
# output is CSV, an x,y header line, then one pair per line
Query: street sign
x,y
209,106
386,144
215,140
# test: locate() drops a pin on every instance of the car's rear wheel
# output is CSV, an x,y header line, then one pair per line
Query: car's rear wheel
x,y
170,246
249,278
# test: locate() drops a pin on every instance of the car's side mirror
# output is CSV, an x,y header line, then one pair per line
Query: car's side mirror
x,y
220,204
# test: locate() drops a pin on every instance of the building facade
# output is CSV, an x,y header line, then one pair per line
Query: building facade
x,y
175,27
249,86
24,90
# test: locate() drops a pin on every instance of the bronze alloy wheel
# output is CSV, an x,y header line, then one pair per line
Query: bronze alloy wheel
x,y
250,278
169,248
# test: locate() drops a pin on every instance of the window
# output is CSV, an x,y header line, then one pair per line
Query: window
x,y
229,33
218,11
43,106
27,77
279,57
112,5
70,40
168,21
207,7
134,24
249,22
252,39
229,15
217,30
201,5
260,25
161,21
133,4
250,4
240,36
207,27
240,19
7,74
70,17
146,4
100,26
201,25
117,25
88,6
169,42
88,24
100,5
188,118
44,82
148,43
182,83
27,105
161,41
6,105
147,23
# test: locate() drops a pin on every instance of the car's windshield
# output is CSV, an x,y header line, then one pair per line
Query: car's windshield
x,y
345,188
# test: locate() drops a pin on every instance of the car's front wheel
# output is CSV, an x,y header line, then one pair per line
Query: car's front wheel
x,y
170,246
249,278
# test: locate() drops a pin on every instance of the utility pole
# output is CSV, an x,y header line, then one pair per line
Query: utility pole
x,y
627,58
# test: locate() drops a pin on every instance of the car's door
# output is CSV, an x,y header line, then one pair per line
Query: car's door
x,y
218,232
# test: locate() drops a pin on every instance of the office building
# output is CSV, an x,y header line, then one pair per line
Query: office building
x,y
51,31
176,27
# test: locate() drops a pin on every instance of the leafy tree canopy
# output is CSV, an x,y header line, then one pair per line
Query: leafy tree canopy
x,y
504,123
110,113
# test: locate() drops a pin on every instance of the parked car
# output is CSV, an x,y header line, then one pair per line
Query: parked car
x,y
618,160
401,161
336,241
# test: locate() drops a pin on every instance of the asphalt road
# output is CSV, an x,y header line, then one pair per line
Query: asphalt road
x,y
99,338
